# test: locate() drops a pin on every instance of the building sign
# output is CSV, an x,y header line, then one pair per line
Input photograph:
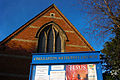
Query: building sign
x,y
72,66
65,58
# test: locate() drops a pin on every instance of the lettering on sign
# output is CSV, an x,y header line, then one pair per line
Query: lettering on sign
x,y
66,57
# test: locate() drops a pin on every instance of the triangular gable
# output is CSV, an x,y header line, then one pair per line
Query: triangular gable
x,y
38,16
25,25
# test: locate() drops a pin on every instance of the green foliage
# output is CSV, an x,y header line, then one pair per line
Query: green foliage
x,y
107,76
112,54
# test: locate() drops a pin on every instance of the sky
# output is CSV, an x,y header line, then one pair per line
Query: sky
x,y
15,13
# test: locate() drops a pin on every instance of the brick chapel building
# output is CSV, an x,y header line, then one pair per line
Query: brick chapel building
x,y
49,31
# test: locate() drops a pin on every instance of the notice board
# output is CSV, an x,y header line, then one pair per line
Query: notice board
x,y
66,66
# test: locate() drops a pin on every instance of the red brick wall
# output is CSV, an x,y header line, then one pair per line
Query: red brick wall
x,y
26,38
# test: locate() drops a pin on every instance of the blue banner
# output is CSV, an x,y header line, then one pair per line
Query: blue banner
x,y
72,57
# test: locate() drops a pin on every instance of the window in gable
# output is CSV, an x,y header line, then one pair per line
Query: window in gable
x,y
51,39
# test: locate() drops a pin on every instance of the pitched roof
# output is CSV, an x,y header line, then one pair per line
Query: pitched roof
x,y
39,15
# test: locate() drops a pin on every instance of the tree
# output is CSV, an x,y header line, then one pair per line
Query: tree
x,y
112,57
106,20
104,15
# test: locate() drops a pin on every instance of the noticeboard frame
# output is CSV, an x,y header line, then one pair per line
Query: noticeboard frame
x,y
66,58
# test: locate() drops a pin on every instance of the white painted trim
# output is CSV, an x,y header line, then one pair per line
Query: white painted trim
x,y
53,17
24,40
71,45
34,26
70,31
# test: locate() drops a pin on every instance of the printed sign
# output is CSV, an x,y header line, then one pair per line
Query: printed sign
x,y
92,72
46,77
81,72
57,75
42,72
57,67
76,72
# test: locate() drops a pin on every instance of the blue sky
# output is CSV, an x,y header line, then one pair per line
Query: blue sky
x,y
15,13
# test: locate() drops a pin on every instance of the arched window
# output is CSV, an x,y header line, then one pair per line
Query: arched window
x,y
51,38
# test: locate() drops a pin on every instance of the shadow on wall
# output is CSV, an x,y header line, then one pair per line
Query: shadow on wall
x,y
15,62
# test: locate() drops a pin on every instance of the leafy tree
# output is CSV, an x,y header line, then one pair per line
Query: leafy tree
x,y
112,57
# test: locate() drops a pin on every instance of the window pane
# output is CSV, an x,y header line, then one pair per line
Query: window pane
x,y
50,41
41,43
58,44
